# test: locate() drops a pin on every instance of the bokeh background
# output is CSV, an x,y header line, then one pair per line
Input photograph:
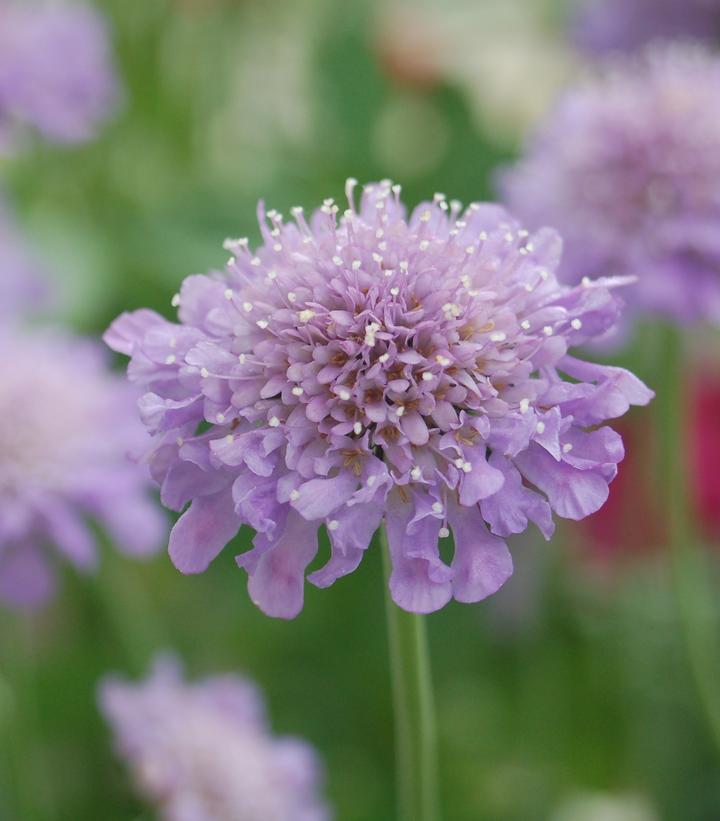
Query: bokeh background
x,y
568,696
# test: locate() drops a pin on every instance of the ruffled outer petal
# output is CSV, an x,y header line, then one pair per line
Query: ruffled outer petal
x,y
277,577
202,532
482,562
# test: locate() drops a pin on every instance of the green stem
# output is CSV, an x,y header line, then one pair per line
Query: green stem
x,y
415,737
689,571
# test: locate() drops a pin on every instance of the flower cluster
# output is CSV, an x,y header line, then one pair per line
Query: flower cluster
x,y
602,26
366,367
627,167
67,425
56,73
203,752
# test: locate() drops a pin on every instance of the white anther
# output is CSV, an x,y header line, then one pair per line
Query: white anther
x,y
547,330
272,275
524,405
344,394
498,336
404,265
529,288
459,462
371,481
292,296
437,507
277,247
540,427
451,310
241,358
175,301
470,249
544,275
297,391
356,264
337,260
170,360
466,467
525,325
220,418
586,282
379,233
229,439
442,360
443,533
425,216
424,245
294,495
576,324
427,376
306,315
383,357
357,428
394,291
377,258
567,447
179,441
247,307
262,324
204,372
274,422
370,330
400,410
416,474
333,524
255,262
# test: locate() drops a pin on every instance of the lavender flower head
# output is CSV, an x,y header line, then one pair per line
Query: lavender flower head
x,y
627,167
378,368
56,71
22,281
602,26
203,751
67,425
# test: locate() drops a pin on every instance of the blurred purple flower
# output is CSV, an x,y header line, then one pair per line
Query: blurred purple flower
x,y
627,168
601,26
67,424
56,71
377,368
23,288
203,751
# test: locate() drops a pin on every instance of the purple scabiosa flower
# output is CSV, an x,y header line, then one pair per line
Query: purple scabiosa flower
x,y
203,751
602,26
67,424
627,168
373,368
56,72
22,281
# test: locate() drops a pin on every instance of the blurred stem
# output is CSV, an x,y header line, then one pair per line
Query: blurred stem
x,y
689,570
27,765
415,737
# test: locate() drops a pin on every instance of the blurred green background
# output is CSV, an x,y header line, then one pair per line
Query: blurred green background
x,y
567,697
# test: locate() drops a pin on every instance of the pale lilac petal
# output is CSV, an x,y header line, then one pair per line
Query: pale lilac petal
x,y
202,531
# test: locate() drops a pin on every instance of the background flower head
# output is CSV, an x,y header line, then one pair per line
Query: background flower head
x,y
602,26
203,752
67,426
56,71
23,285
627,167
370,367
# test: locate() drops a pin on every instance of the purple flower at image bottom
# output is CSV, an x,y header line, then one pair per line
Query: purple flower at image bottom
x,y
203,751
67,426
627,168
373,367
56,71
